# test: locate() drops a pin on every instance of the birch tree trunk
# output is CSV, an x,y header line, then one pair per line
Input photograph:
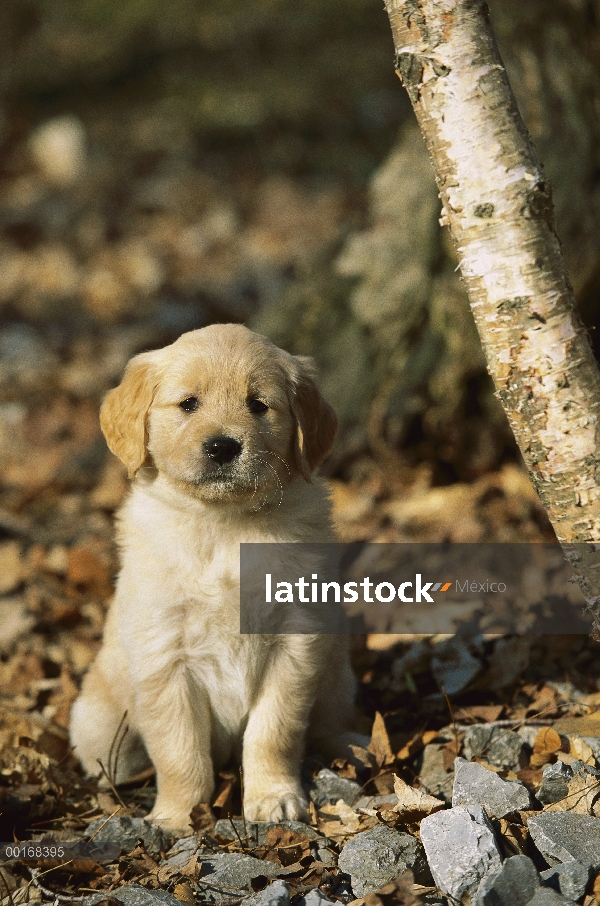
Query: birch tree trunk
x,y
498,205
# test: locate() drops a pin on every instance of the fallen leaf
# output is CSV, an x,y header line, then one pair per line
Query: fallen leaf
x,y
547,743
380,746
580,750
414,804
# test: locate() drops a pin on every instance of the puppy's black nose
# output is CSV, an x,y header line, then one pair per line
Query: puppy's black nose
x,y
222,449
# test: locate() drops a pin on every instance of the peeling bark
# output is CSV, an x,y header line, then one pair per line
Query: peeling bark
x,y
498,205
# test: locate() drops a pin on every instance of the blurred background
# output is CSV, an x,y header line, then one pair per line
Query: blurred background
x,y
165,166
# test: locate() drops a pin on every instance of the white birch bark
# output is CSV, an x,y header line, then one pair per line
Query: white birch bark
x,y
497,203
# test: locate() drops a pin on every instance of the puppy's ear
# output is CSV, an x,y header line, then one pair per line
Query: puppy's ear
x,y
316,421
124,412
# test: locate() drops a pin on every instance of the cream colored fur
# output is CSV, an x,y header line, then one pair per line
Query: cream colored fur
x,y
196,691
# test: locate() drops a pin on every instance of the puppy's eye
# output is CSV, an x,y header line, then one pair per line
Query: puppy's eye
x,y
257,406
189,405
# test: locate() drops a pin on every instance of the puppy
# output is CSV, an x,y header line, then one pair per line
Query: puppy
x,y
221,433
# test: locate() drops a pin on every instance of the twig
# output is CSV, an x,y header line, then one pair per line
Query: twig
x,y
112,770
62,898
111,784
235,831
452,718
118,809
242,797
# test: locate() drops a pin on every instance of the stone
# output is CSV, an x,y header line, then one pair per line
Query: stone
x,y
497,745
515,884
58,147
555,783
127,831
374,857
564,836
276,894
134,895
475,784
229,874
461,849
314,897
569,878
579,790
328,786
181,852
453,666
433,773
257,831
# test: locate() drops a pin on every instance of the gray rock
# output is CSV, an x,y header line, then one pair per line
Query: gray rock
x,y
276,894
461,849
546,896
555,783
499,746
326,856
127,831
257,830
453,666
328,786
181,852
374,857
229,874
475,784
314,897
515,884
564,836
432,773
569,878
135,896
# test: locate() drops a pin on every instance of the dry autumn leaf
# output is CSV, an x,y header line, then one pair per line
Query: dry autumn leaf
x,y
414,804
380,746
547,743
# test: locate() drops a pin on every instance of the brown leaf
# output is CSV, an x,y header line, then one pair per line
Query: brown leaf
x,y
487,713
380,746
184,893
202,817
224,797
414,804
547,744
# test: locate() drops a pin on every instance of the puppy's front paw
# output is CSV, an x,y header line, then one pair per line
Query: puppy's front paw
x,y
287,804
170,819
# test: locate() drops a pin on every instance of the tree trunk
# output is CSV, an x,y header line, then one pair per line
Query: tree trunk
x,y
497,202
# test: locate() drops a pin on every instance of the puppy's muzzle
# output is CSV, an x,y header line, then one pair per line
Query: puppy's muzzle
x,y
222,450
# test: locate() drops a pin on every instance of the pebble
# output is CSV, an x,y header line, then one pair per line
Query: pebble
x,y
127,831
229,874
134,896
517,883
461,849
328,786
373,858
555,783
433,774
497,745
276,894
58,147
453,666
314,897
569,878
475,784
564,836
256,831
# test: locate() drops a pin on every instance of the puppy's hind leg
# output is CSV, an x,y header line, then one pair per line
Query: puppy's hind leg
x,y
330,732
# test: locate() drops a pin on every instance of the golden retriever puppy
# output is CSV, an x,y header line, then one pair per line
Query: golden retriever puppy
x,y
221,433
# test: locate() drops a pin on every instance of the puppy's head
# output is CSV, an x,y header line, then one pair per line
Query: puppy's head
x,y
223,414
